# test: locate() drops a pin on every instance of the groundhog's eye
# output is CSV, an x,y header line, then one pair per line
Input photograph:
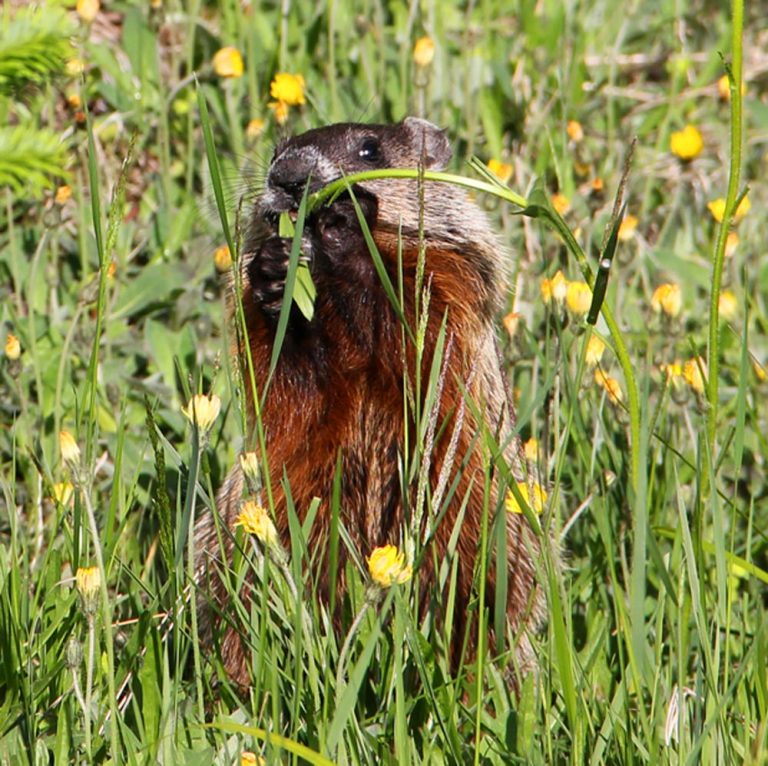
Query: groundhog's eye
x,y
369,150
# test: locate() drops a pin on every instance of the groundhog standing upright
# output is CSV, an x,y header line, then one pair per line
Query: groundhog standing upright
x,y
339,388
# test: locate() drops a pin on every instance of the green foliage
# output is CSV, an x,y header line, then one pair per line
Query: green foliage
x,y
657,643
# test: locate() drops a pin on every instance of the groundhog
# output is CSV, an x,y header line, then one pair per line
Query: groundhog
x,y
341,387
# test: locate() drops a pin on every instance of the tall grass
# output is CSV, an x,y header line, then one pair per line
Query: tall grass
x,y
657,642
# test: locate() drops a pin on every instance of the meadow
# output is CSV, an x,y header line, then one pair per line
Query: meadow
x,y
129,130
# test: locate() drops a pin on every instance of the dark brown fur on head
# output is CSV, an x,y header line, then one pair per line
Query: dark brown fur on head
x,y
340,380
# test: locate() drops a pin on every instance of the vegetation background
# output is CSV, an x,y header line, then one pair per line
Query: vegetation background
x,y
657,649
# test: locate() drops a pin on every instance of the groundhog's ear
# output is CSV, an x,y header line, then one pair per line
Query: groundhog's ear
x,y
431,143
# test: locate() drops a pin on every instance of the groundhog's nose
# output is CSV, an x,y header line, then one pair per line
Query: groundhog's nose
x,y
290,172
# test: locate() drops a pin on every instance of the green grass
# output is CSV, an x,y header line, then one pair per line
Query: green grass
x,y
659,503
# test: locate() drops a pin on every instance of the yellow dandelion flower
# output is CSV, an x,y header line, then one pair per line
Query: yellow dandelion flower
x,y
578,298
74,101
728,305
502,170
203,410
560,203
288,89
731,243
424,51
12,347
280,109
575,131
255,128
686,143
63,193
511,321
387,566
75,67
222,259
667,298
611,386
70,452
255,520
227,62
62,493
532,452
594,352
693,374
554,289
536,504
724,88
759,369
627,228
87,10
673,372
717,208
247,758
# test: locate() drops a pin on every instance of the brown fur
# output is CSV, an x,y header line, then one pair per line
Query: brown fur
x,y
339,383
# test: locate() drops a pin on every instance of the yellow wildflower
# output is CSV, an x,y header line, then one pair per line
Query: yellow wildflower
x,y
249,463
686,143
575,131
255,128
203,410
424,51
62,493
227,62
222,259
74,101
760,371
12,347
511,322
667,298
280,110
70,452
611,386
255,520
63,193
247,758
502,170
536,504
728,305
288,89
532,451
693,374
724,88
597,185
578,298
594,352
87,9
731,243
560,203
717,208
673,372
88,584
75,67
387,566
554,289
627,228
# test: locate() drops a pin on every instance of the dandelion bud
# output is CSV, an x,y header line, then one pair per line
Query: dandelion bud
x,y
70,452
12,347
424,52
594,352
249,463
222,259
88,583
693,374
578,298
667,298
227,62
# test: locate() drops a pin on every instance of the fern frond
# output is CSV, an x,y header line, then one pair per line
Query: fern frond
x,y
29,157
34,46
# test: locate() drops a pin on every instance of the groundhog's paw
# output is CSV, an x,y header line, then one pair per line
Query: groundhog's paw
x,y
267,272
